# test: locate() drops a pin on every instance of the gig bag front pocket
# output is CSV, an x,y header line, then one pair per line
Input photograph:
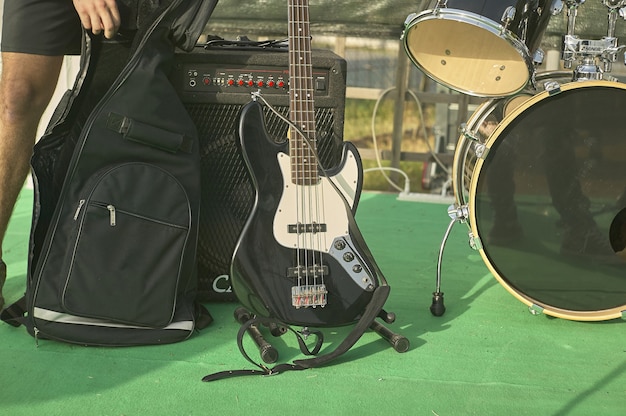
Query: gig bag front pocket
x,y
132,228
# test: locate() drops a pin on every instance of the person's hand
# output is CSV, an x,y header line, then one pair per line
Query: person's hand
x,y
99,16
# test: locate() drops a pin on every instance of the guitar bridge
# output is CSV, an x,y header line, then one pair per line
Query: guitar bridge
x,y
308,296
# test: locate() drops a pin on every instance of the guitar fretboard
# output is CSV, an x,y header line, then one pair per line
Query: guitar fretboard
x,y
301,101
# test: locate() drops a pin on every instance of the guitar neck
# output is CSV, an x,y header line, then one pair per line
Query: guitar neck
x,y
301,99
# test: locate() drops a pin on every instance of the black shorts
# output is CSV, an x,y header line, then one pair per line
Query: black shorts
x,y
42,27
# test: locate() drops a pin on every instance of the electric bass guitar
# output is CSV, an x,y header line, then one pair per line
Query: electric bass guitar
x,y
301,258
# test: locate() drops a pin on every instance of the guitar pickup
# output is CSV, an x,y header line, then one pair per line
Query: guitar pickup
x,y
306,228
310,272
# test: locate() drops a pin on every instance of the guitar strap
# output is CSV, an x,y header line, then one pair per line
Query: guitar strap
x,y
372,310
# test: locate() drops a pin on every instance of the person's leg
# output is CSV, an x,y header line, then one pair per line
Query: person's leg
x,y
36,34
27,84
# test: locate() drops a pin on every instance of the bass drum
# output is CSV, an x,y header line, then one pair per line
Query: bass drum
x,y
547,201
482,48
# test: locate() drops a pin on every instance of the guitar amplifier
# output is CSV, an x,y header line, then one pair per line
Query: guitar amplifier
x,y
214,84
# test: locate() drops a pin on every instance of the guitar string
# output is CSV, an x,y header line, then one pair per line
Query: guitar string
x,y
317,187
256,95
306,178
294,153
305,175
312,152
303,148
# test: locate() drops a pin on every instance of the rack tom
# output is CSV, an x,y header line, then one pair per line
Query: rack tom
x,y
482,48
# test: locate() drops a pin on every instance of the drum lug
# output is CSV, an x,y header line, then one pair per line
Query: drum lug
x,y
408,20
535,309
556,8
441,4
474,242
538,56
552,87
481,150
508,16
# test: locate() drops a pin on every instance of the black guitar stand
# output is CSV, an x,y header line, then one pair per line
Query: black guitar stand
x,y
398,342
269,354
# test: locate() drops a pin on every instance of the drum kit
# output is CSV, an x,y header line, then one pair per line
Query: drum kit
x,y
539,170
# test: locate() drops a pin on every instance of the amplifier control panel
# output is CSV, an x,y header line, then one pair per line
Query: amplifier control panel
x,y
230,76
211,78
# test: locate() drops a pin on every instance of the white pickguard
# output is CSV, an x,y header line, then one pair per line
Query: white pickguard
x,y
319,204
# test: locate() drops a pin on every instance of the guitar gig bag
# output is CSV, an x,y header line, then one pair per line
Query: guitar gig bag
x,y
112,256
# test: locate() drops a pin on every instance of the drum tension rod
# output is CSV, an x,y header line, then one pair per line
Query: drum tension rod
x,y
468,133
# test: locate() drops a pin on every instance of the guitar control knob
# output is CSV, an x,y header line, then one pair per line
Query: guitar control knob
x,y
340,244
348,257
357,268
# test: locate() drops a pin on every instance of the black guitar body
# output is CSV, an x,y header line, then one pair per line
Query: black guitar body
x,y
263,268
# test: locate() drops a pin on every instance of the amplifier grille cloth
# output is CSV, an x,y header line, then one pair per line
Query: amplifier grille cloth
x,y
227,191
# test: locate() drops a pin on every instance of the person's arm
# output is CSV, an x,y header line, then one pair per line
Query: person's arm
x,y
99,16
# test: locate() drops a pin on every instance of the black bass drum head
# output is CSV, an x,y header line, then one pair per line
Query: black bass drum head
x,y
548,201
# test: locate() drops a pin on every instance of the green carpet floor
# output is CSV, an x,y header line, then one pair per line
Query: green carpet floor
x,y
486,356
